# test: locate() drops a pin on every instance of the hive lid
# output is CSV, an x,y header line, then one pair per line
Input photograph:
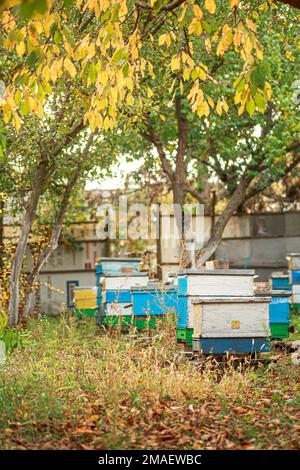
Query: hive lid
x,y
279,275
125,275
85,287
221,272
293,255
228,299
100,260
154,288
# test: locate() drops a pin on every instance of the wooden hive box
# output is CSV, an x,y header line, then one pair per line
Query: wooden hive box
x,y
230,324
215,282
279,311
154,300
293,261
280,281
85,301
294,277
114,295
225,282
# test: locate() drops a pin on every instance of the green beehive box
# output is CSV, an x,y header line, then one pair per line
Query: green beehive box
x,y
185,335
279,330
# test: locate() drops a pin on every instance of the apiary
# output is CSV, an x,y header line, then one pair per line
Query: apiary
x,y
279,312
230,324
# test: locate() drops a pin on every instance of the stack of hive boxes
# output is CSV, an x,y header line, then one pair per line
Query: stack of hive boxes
x,y
115,277
294,279
219,313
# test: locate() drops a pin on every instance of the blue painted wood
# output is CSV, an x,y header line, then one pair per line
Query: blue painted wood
x,y
182,285
295,277
154,301
281,283
118,296
238,345
280,310
182,311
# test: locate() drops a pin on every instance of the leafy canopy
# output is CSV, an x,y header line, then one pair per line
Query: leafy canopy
x,y
103,47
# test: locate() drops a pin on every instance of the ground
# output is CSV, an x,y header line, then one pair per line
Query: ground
x,y
70,386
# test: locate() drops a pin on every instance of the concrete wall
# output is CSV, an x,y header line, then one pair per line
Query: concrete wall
x,y
260,241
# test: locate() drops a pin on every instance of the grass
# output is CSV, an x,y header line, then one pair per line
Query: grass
x,y
70,387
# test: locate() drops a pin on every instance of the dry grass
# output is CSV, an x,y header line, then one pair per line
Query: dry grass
x,y
69,387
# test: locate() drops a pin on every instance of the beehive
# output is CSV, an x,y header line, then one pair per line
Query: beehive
x,y
207,282
85,301
280,281
152,303
294,279
114,298
230,324
279,312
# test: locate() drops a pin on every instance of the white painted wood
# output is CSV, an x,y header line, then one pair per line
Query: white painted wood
x,y
296,288
119,309
235,319
294,261
220,285
197,317
117,283
296,298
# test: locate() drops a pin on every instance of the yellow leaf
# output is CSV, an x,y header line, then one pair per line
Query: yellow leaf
x,y
251,25
234,3
210,6
225,106
175,63
69,66
202,74
149,92
130,100
162,39
198,12
20,48
219,108
16,122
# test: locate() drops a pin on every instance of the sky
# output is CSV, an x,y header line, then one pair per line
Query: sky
x,y
119,171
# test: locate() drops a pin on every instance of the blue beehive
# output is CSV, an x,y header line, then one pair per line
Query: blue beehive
x,y
279,311
114,278
280,282
151,300
295,277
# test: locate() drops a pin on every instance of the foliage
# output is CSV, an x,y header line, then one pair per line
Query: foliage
x,y
103,47
69,388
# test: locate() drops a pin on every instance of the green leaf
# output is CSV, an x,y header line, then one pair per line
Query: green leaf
x,y
257,77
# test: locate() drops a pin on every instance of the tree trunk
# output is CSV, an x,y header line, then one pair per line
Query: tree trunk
x,y
54,238
16,268
208,250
